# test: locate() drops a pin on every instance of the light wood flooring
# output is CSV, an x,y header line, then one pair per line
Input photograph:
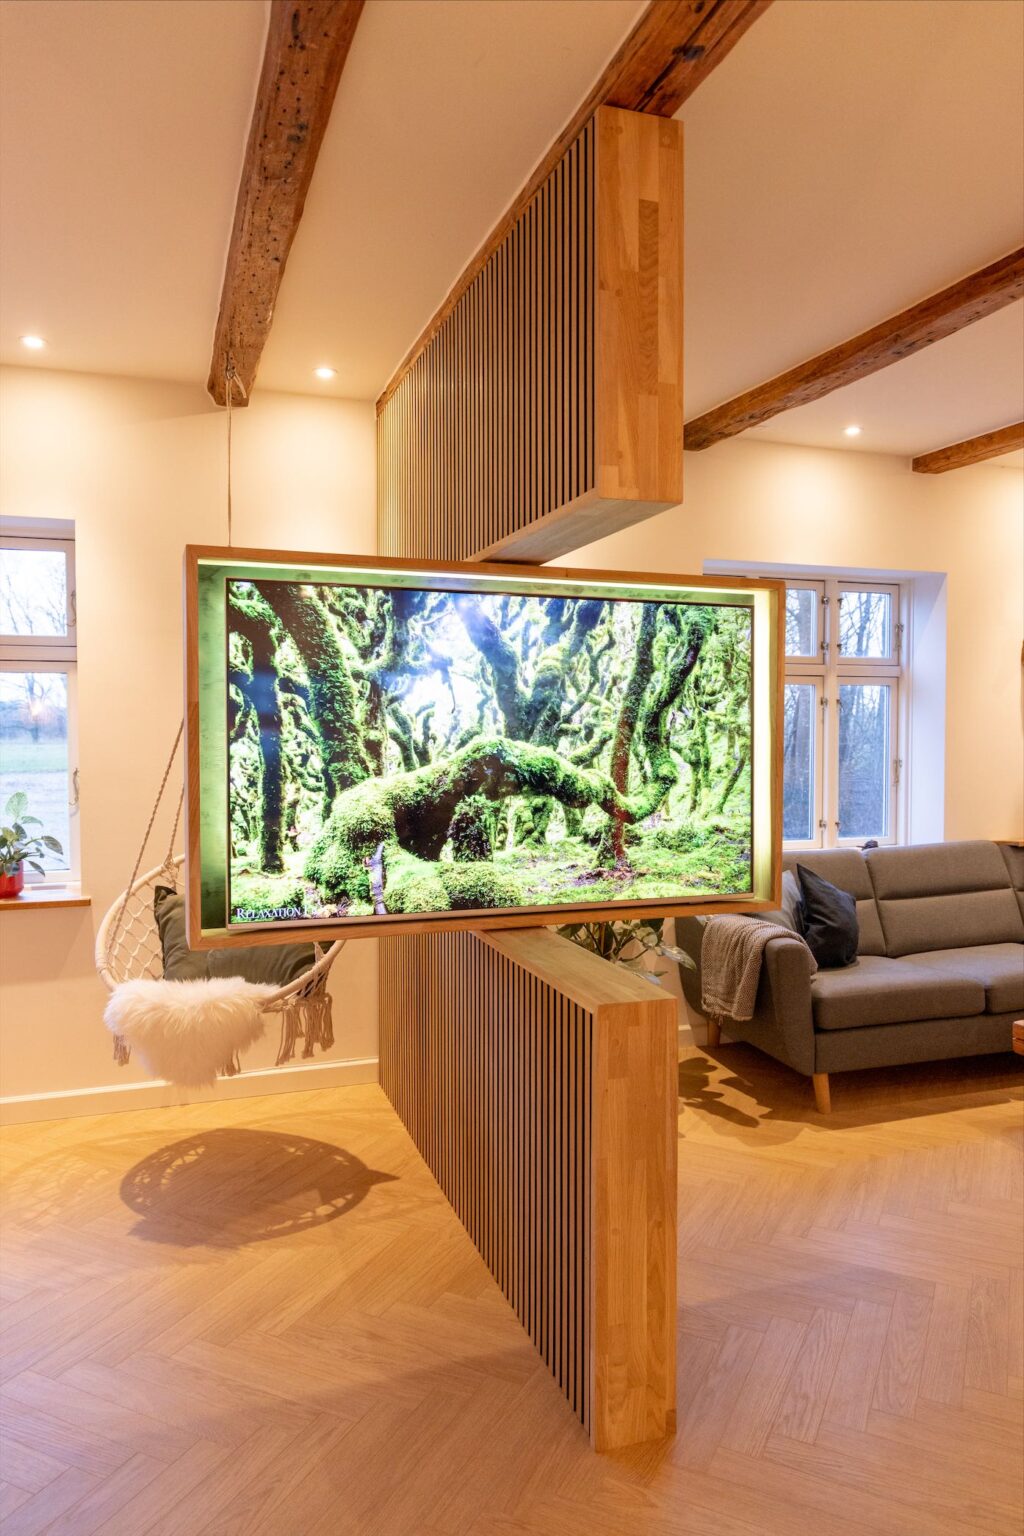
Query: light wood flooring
x,y
261,1317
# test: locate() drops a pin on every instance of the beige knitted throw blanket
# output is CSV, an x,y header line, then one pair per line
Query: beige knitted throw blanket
x,y
730,962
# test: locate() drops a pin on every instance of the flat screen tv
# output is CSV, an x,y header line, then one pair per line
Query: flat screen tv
x,y
379,745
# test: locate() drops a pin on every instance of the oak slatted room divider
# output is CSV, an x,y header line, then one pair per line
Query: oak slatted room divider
x,y
537,1081
539,1084
546,411
496,1051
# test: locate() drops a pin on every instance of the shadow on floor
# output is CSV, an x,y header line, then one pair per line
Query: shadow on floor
x,y
702,1086
230,1187
743,1087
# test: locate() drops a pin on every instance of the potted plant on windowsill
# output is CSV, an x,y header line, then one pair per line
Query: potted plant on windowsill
x,y
19,846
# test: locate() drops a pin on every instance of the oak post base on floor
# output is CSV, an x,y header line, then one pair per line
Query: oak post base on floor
x,y
822,1093
539,1083
714,1034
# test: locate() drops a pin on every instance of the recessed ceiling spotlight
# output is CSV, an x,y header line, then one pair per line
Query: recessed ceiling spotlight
x,y
852,431
323,372
34,343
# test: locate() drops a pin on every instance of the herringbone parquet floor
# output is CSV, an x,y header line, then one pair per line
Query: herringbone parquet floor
x,y
262,1318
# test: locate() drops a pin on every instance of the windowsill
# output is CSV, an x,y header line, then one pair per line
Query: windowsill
x,y
36,896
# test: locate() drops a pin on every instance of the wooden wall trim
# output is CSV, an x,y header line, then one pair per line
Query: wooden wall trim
x,y
307,44
672,49
973,450
940,315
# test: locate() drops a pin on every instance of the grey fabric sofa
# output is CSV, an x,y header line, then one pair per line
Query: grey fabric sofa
x,y
939,972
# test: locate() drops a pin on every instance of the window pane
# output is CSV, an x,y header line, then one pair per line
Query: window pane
x,y
865,624
798,763
34,752
33,592
801,622
864,759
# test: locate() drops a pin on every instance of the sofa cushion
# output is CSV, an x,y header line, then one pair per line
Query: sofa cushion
x,y
790,914
829,920
944,896
999,968
846,868
877,990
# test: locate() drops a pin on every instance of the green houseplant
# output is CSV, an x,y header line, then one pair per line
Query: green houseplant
x,y
19,846
624,943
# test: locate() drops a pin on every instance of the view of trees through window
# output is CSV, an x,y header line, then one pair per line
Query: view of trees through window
x,y
843,667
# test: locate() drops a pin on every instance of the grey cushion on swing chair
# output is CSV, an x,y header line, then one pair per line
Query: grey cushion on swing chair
x,y
272,964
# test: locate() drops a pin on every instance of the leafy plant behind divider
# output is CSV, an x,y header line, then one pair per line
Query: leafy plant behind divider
x,y
625,943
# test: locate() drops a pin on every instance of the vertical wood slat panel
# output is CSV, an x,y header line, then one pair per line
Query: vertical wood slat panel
x,y
480,1060
548,1120
547,410
480,436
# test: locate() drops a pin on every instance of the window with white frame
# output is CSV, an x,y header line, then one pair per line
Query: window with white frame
x,y
38,653
844,668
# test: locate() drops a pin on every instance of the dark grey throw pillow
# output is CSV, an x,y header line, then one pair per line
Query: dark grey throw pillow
x,y
274,964
180,962
830,925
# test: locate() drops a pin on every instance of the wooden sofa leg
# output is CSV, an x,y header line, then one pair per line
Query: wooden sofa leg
x,y
714,1034
822,1096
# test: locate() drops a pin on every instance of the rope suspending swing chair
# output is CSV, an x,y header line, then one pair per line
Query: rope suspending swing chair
x,y
129,946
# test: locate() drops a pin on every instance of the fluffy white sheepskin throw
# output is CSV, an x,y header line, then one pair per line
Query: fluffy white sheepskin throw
x,y
187,1031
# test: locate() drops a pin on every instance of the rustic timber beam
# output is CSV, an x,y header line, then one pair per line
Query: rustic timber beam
x,y
672,49
973,451
307,45
971,298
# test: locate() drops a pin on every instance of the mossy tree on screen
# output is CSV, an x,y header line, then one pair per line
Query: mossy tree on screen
x,y
385,742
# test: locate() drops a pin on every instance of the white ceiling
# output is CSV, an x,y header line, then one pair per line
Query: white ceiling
x,y
443,110
845,160
122,129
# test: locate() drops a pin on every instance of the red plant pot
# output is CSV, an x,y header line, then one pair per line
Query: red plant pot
x,y
11,885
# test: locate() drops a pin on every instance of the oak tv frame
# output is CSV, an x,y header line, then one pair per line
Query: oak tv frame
x,y
765,598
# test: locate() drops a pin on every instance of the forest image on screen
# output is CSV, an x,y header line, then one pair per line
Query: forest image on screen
x,y
401,751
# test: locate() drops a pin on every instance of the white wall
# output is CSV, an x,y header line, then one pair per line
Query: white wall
x,y
140,468
769,503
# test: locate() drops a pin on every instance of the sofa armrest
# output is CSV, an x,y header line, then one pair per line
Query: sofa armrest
x,y
784,1000
783,1023
689,937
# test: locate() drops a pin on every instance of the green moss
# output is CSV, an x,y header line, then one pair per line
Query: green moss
x,y
263,895
473,830
412,885
479,885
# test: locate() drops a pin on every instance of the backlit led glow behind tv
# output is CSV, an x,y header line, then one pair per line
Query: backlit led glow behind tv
x,y
380,745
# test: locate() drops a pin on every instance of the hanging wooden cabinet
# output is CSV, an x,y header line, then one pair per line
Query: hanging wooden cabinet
x,y
546,410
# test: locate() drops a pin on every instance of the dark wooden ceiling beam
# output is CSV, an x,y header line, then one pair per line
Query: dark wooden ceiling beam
x,y
672,49
307,45
971,298
974,450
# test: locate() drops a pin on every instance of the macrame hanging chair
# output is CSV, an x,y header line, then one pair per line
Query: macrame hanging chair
x,y
128,948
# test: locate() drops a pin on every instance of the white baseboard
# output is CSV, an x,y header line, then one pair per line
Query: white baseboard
x,y
20,1109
